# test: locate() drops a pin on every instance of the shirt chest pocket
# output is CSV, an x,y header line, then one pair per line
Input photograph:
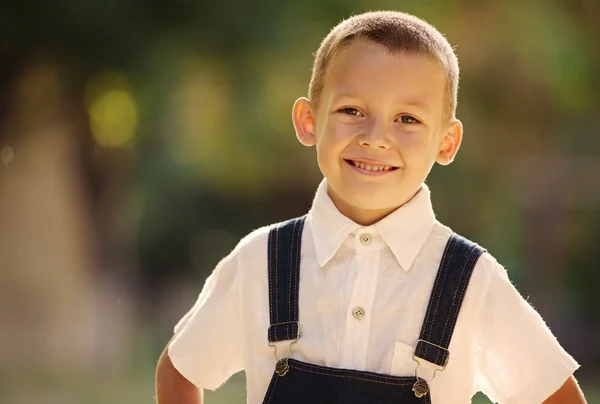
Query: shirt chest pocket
x,y
402,360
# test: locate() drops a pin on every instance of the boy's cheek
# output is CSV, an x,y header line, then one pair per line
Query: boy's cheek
x,y
412,140
335,129
330,142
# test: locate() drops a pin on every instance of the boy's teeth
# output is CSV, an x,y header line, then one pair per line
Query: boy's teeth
x,y
370,167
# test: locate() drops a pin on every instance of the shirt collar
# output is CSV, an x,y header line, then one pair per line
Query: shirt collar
x,y
405,230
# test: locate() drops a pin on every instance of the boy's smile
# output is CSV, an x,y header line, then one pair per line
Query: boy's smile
x,y
370,166
378,126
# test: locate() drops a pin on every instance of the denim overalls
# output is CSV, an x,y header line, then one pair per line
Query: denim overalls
x,y
296,382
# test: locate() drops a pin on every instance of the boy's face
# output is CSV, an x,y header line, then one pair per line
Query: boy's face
x,y
378,128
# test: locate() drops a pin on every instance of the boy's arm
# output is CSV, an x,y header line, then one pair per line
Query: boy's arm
x,y
519,359
171,386
569,393
202,357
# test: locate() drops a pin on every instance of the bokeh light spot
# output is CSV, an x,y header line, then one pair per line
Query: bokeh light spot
x,y
112,110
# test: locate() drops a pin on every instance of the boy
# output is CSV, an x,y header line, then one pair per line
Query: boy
x,y
368,299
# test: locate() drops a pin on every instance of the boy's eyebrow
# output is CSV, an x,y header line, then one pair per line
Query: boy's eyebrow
x,y
344,95
415,103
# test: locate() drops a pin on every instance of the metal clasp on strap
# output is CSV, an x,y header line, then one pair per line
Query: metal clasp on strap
x,y
282,366
421,387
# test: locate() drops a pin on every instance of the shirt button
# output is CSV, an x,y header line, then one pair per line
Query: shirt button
x,y
365,239
358,313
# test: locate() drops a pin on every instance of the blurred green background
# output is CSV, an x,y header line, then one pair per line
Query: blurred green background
x,y
139,141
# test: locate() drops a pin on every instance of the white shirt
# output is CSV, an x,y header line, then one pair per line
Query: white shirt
x,y
500,346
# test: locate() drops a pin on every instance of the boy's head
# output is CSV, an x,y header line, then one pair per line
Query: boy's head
x,y
381,107
397,32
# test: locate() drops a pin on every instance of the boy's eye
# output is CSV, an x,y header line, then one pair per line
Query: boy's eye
x,y
408,119
351,111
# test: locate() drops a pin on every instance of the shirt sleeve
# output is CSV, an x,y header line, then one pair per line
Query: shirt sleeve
x,y
520,360
207,347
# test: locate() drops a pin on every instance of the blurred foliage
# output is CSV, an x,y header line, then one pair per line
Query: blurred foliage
x,y
199,94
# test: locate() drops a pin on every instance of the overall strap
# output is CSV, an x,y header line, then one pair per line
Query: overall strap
x,y
285,241
454,273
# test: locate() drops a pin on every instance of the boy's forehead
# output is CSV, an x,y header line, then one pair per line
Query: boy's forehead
x,y
367,68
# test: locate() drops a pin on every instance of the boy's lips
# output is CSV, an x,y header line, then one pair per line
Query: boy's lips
x,y
369,165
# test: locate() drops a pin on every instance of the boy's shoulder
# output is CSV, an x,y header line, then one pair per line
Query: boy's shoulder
x,y
488,274
486,263
256,241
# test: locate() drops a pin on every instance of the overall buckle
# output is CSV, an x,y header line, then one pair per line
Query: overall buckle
x,y
421,387
282,366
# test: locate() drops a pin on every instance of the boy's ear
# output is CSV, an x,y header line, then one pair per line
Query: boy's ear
x,y
304,121
450,142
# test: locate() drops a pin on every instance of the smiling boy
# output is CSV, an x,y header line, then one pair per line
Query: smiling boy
x,y
368,298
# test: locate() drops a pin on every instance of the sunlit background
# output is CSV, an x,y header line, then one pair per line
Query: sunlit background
x,y
139,141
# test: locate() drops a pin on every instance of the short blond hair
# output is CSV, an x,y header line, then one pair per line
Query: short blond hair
x,y
397,31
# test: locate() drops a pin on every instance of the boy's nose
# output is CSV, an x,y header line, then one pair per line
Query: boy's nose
x,y
376,137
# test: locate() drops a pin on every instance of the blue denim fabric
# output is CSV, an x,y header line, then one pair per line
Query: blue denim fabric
x,y
305,383
313,384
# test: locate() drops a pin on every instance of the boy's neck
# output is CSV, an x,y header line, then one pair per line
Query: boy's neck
x,y
363,217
